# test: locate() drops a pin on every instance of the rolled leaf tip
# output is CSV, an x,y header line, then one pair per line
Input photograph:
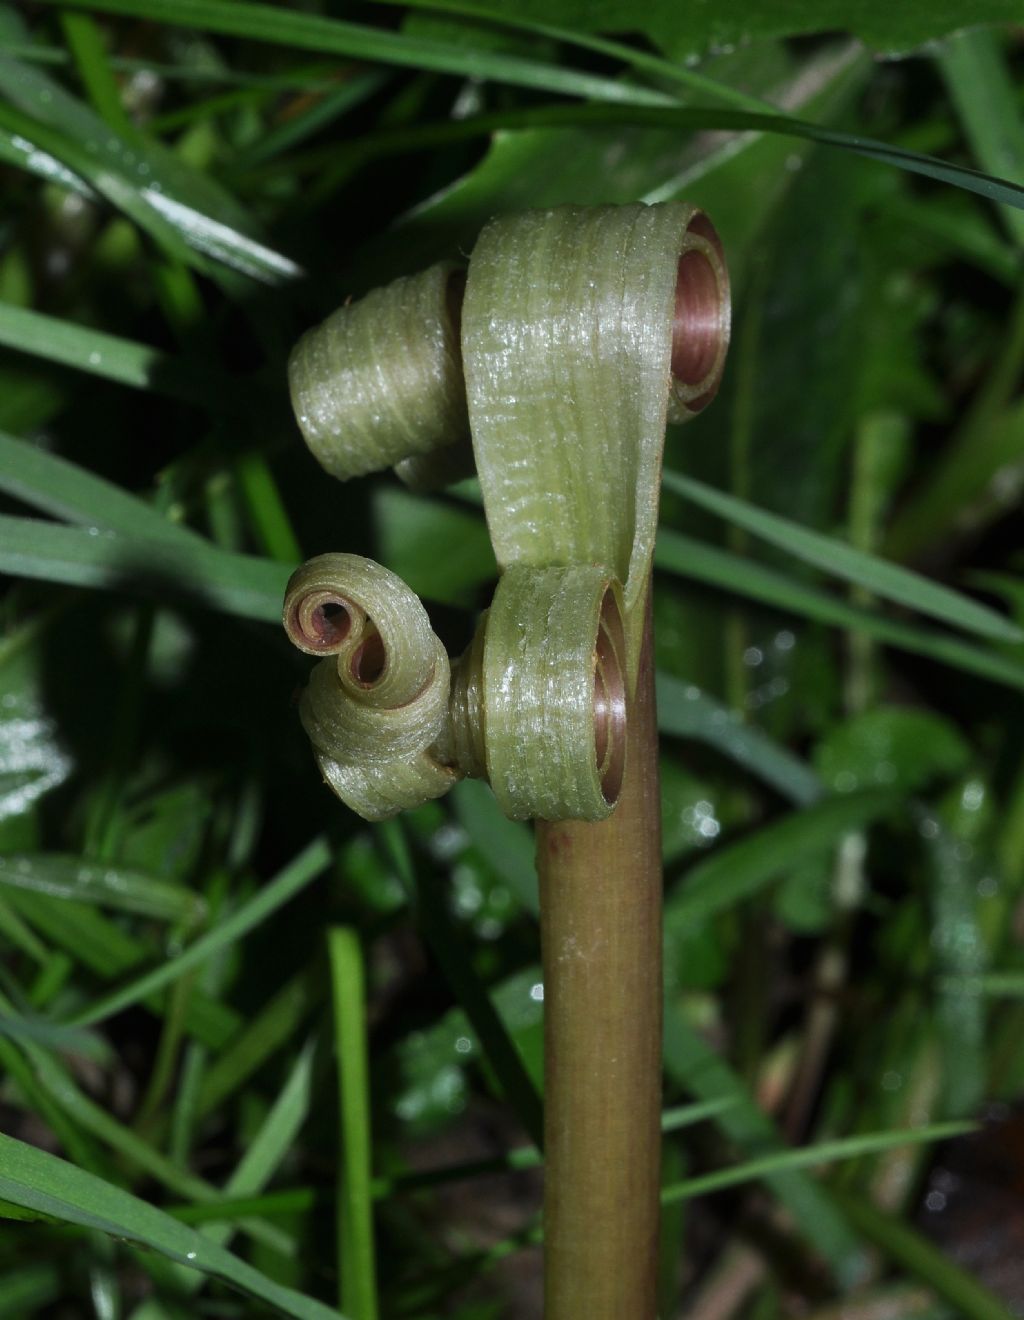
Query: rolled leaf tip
x,y
576,335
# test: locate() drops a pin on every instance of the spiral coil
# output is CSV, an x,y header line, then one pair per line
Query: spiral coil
x,y
581,333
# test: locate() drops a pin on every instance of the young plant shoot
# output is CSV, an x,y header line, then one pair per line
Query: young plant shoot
x,y
576,335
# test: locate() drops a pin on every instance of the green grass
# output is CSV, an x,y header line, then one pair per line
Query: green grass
x,y
256,1055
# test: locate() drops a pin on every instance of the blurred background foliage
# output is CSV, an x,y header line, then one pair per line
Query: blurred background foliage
x,y
187,185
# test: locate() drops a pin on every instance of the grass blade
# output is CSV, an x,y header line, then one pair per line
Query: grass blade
x,y
94,1119
99,944
292,1200
356,1266
65,490
706,563
686,712
186,212
983,92
626,102
698,1069
264,1153
202,575
269,518
286,884
38,1181
107,950
631,56
326,36
253,587
738,870
267,1031
878,576
85,44
278,1131
522,1157
338,100
685,120
76,160
107,886
34,1094
906,1248
746,577
18,933
100,354
826,1152
314,78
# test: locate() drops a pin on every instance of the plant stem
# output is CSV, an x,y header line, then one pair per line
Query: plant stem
x,y
600,892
